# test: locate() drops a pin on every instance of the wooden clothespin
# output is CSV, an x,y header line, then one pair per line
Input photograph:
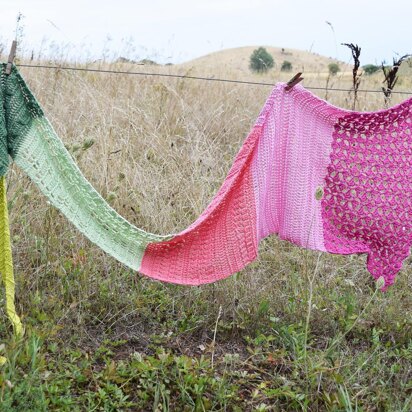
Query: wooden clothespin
x,y
293,81
12,55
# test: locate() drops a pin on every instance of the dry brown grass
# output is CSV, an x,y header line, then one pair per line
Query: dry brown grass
x,y
174,138
162,147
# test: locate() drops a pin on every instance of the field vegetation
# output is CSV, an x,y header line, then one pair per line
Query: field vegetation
x,y
296,330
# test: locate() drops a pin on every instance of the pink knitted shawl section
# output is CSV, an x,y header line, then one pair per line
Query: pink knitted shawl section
x,y
317,175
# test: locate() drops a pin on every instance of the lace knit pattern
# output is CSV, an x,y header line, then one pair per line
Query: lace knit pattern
x,y
6,262
37,149
368,203
319,176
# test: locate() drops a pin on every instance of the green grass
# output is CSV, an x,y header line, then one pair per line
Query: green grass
x,y
113,342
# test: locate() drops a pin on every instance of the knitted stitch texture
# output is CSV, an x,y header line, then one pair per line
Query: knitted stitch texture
x,y
6,261
319,176
6,265
37,149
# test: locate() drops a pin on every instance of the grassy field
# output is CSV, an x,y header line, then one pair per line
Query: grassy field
x,y
296,330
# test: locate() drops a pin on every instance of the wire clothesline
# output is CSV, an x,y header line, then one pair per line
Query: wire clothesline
x,y
211,79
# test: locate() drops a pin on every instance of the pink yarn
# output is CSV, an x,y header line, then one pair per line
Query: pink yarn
x,y
222,240
368,204
319,176
291,164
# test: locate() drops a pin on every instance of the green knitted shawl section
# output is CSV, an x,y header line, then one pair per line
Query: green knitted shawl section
x,y
28,138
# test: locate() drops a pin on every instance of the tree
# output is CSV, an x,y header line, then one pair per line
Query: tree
x,y
286,66
370,68
260,60
333,68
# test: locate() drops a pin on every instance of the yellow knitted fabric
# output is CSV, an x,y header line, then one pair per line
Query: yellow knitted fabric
x,y
6,263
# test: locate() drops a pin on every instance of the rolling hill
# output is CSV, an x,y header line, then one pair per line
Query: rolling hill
x,y
236,61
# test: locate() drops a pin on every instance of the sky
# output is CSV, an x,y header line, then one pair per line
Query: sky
x,y
179,30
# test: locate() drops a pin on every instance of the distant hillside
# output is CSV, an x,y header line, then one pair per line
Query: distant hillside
x,y
236,61
406,68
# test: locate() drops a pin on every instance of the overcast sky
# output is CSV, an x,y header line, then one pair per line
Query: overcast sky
x,y
178,30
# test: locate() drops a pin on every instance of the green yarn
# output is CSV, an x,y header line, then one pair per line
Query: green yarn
x,y
45,159
4,153
35,147
19,108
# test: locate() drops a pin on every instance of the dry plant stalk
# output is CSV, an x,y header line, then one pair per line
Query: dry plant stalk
x,y
356,51
391,76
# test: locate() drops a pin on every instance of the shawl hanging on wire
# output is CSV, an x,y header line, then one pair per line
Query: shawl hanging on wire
x,y
319,176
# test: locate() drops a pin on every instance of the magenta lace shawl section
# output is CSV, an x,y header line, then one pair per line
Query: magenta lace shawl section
x,y
368,204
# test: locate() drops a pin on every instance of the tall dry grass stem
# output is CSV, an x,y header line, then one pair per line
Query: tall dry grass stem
x,y
356,76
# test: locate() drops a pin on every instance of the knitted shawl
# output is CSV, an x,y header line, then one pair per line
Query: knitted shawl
x,y
316,175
